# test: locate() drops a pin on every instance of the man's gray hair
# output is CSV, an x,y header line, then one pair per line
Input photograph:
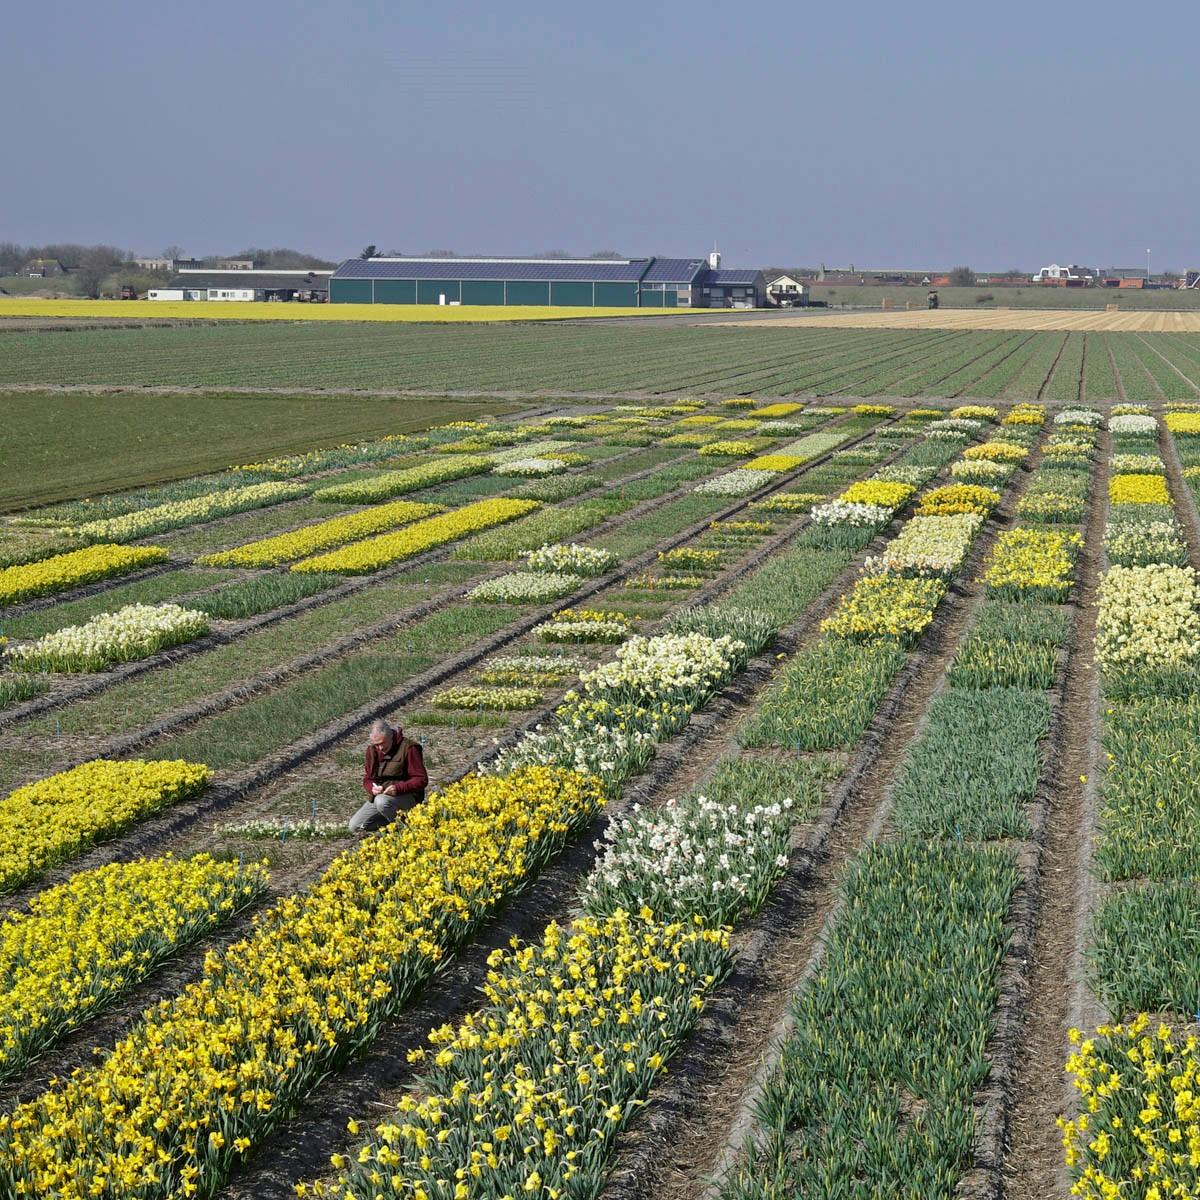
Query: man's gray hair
x,y
380,726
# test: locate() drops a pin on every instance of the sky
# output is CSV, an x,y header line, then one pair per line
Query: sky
x,y
923,134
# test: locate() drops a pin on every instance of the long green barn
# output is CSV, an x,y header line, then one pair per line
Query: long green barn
x,y
573,283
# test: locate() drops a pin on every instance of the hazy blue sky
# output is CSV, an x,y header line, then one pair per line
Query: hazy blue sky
x,y
923,133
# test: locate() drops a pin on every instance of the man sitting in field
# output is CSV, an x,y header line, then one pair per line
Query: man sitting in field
x,y
394,777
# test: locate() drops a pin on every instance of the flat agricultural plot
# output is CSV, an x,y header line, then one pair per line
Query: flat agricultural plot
x,y
204,310
994,318
57,445
875,724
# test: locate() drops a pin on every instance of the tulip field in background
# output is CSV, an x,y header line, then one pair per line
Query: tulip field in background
x,y
812,806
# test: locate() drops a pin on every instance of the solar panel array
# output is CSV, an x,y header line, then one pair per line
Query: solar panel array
x,y
600,271
674,270
725,278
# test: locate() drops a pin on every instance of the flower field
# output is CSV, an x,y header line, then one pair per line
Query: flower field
x,y
871,725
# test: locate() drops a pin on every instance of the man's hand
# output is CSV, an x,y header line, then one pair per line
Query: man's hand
x,y
375,789
390,790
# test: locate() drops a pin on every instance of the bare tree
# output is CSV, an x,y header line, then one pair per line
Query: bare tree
x,y
962,277
554,254
95,266
606,254
174,252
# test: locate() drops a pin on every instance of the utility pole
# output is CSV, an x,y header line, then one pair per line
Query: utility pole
x,y
1147,264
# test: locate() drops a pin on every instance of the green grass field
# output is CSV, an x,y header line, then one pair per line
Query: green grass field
x,y
558,359
62,445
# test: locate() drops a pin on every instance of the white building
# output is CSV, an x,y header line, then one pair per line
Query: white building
x,y
1055,271
784,292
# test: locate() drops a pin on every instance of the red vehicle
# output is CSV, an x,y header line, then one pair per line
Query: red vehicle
x,y
128,292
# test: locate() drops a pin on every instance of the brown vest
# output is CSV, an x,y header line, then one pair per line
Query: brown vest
x,y
393,767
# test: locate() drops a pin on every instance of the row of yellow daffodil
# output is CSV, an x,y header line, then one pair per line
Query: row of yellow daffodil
x,y
1025,414
91,939
1138,489
958,498
776,463
879,492
782,408
360,558
1184,424
52,820
375,488
209,1072
526,1095
287,547
997,452
975,412
886,606
1032,564
61,572
1139,1133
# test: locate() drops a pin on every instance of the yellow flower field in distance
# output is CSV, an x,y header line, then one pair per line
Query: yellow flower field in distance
x,y
219,310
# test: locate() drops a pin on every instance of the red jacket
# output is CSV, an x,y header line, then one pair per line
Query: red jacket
x,y
416,779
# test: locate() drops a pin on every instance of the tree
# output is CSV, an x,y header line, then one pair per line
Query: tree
x,y
555,254
174,252
369,251
962,277
94,267
439,253
606,254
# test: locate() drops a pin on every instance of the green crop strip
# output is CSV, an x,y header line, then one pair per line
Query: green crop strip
x,y
975,766
873,1093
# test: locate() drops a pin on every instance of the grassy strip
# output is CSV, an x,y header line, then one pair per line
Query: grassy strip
x,y
15,688
1150,817
825,697
249,597
248,732
196,432
137,702
1145,947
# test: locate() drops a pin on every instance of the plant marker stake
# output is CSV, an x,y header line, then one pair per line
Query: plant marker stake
x,y
314,810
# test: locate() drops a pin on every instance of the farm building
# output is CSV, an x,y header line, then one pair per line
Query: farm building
x,y
42,268
236,283
575,283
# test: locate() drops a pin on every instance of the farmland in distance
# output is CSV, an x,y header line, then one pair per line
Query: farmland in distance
x,y
605,358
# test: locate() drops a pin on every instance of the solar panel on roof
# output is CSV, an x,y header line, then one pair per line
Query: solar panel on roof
x,y
601,271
